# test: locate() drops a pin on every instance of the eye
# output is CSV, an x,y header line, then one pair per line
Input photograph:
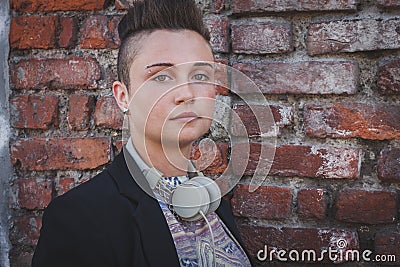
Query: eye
x,y
161,78
201,77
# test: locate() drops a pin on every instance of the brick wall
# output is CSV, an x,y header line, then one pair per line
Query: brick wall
x,y
332,68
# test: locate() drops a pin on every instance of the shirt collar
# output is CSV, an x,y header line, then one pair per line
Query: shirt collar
x,y
152,174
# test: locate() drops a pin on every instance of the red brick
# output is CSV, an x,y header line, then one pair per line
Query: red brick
x,y
346,120
300,239
34,194
69,73
268,117
35,111
63,185
300,160
368,207
108,114
267,202
100,32
389,165
352,35
261,37
27,228
312,203
57,5
69,32
388,243
389,77
80,110
219,32
210,159
388,3
38,154
304,77
28,32
290,5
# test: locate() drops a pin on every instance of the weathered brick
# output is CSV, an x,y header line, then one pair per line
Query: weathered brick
x,y
389,165
300,160
219,32
267,202
34,194
300,239
304,77
38,154
69,32
368,207
108,114
389,77
261,37
352,35
239,6
346,120
214,6
312,203
221,79
388,3
27,229
57,5
123,4
100,32
28,32
268,117
388,243
119,144
210,159
34,111
69,73
80,110
63,185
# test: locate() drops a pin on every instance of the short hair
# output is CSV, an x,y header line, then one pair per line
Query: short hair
x,y
146,16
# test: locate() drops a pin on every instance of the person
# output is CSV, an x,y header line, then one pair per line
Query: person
x,y
123,216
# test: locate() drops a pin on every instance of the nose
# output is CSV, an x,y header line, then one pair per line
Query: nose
x,y
184,94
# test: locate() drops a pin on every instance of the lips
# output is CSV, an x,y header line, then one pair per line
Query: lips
x,y
185,116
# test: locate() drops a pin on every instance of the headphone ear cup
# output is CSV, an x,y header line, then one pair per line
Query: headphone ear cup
x,y
188,199
213,190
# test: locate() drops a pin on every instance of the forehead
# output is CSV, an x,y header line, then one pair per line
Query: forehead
x,y
176,47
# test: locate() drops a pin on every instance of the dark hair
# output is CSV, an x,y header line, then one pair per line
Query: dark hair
x,y
146,16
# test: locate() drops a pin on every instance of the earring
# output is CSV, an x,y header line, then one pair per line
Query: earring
x,y
125,110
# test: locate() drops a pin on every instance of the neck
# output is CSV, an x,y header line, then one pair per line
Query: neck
x,y
168,159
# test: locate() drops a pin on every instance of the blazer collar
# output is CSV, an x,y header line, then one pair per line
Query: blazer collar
x,y
156,239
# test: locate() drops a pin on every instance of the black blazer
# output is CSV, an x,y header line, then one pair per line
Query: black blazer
x,y
110,221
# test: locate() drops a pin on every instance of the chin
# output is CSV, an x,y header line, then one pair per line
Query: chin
x,y
190,135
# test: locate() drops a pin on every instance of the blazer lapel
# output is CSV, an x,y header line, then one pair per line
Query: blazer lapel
x,y
156,239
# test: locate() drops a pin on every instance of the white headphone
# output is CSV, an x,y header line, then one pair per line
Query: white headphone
x,y
195,196
189,200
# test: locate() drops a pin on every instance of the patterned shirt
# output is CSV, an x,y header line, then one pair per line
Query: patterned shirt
x,y
193,240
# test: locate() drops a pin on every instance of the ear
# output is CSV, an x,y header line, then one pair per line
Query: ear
x,y
121,95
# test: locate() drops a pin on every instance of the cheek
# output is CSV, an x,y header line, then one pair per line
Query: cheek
x,y
158,114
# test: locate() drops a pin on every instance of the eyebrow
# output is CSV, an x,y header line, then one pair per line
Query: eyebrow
x,y
165,64
199,64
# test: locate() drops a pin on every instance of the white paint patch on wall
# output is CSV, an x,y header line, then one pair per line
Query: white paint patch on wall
x,y
4,132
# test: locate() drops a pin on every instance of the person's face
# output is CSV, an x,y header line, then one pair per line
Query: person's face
x,y
171,87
